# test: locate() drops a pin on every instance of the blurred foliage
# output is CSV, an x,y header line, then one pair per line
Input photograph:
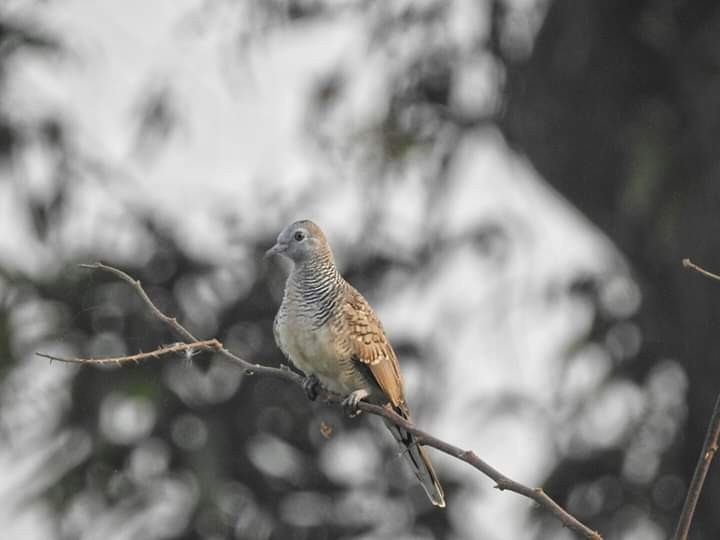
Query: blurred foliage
x,y
614,109
612,102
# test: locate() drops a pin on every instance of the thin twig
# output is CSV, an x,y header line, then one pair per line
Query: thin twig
x,y
170,321
502,482
687,263
710,447
160,351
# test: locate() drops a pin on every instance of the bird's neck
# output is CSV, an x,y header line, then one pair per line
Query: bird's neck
x,y
316,284
316,273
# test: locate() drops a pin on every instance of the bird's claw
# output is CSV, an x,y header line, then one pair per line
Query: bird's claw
x,y
310,385
350,403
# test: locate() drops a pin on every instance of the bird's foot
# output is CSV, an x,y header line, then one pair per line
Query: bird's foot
x,y
310,385
350,403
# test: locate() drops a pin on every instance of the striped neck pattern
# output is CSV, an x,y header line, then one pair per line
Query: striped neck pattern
x,y
316,285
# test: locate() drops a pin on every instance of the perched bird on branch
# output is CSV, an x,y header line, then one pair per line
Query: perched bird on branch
x,y
329,331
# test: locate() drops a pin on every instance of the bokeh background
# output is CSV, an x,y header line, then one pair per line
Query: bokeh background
x,y
511,183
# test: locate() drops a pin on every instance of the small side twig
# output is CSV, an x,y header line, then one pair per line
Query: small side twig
x,y
687,263
502,482
709,449
135,283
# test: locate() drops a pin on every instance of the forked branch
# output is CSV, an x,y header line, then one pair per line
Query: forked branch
x,y
193,344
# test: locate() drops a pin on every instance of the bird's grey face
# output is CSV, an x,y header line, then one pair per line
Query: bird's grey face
x,y
296,242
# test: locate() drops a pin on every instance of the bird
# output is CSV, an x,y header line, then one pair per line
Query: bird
x,y
327,329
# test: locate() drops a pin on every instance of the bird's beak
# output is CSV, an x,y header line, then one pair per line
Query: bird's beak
x,y
277,248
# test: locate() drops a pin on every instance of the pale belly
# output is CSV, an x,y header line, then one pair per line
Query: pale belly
x,y
313,353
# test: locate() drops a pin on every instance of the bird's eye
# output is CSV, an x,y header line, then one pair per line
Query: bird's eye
x,y
299,236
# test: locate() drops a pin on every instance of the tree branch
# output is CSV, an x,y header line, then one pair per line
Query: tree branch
x,y
687,263
188,348
710,447
192,344
502,482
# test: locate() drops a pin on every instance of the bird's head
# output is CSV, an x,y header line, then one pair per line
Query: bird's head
x,y
301,241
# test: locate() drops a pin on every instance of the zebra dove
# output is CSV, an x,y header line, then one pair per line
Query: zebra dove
x,y
329,331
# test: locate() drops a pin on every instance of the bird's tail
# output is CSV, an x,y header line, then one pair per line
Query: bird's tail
x,y
418,459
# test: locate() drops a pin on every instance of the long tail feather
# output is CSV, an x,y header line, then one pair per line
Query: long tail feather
x,y
418,459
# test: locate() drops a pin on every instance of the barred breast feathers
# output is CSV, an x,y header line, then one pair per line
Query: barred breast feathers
x,y
314,288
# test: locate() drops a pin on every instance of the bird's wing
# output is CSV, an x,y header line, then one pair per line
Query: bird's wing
x,y
370,345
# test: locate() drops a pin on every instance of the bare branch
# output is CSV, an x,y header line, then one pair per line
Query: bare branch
x,y
502,482
135,283
710,447
213,344
173,323
687,263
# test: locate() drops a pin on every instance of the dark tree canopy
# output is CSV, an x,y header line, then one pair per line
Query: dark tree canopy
x,y
614,108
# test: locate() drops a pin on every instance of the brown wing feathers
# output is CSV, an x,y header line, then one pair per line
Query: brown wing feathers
x,y
371,347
